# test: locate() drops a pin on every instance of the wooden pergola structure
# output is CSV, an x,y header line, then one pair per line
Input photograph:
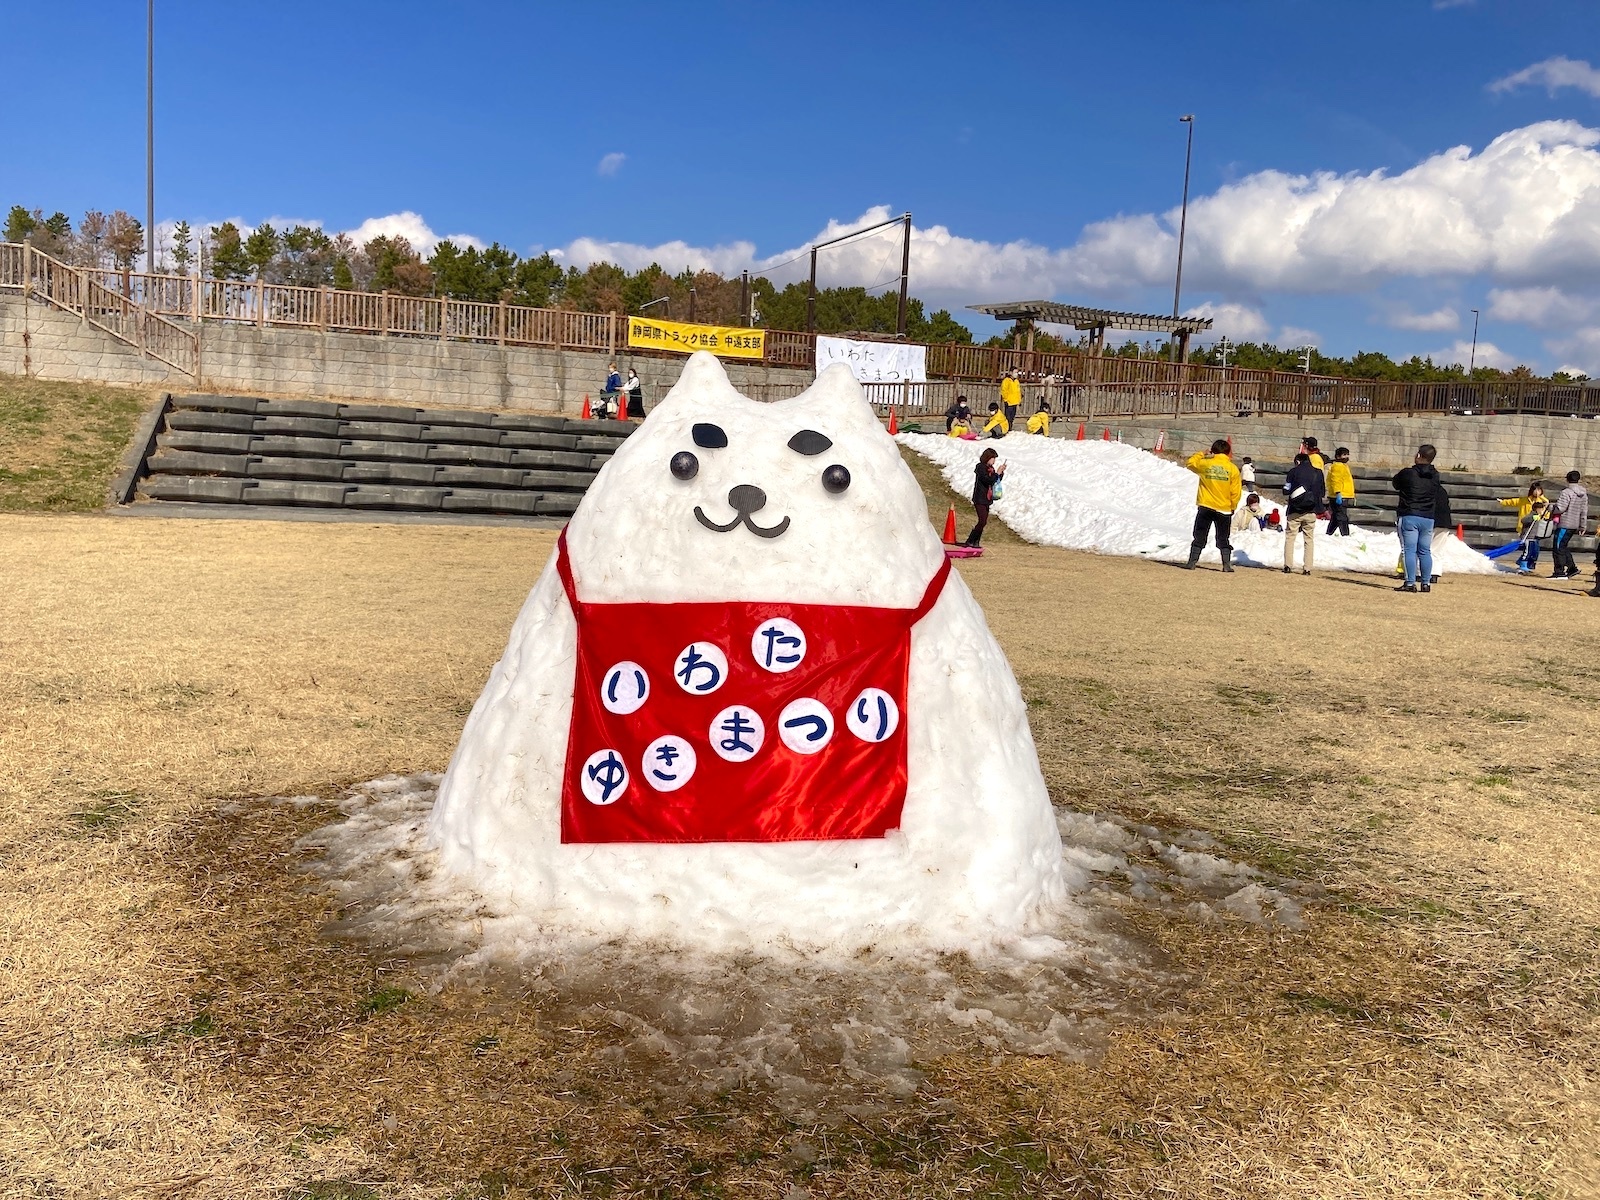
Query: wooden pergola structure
x,y
1027,313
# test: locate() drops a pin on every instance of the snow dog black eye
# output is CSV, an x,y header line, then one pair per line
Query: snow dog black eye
x,y
709,437
685,465
809,441
836,478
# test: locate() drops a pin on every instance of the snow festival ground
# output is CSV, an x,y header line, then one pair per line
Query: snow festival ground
x,y
1342,939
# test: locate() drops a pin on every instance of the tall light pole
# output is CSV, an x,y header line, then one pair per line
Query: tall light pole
x,y
150,137
1183,223
1473,361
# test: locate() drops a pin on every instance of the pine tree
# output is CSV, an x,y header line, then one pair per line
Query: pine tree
x,y
20,223
92,231
228,259
182,247
343,279
260,248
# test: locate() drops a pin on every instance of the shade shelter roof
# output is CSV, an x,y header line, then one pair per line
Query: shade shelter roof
x,y
1091,318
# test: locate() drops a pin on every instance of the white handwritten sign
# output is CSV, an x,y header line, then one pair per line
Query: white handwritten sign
x,y
875,362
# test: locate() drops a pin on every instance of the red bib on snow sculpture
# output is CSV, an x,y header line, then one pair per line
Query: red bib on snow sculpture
x,y
739,721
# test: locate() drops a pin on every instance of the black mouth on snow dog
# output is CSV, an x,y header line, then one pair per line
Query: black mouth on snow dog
x,y
744,499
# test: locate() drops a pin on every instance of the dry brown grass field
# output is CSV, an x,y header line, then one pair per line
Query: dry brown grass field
x,y
174,1021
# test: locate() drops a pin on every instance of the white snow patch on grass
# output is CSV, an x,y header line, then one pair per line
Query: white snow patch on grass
x,y
1113,498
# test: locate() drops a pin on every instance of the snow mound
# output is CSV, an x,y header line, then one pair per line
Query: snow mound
x,y
1113,498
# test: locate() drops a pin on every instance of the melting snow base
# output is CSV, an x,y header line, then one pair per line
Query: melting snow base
x,y
810,1029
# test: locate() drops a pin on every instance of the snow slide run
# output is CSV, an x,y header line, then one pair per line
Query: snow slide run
x,y
1117,499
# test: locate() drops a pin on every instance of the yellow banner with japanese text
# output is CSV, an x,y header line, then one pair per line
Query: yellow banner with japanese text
x,y
725,341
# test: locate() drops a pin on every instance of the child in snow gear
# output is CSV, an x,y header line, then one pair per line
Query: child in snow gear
x,y
1533,523
998,426
1040,421
1247,473
984,477
1341,493
1215,501
1249,518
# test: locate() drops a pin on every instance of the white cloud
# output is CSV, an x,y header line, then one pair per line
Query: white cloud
x,y
1582,347
1296,338
1237,322
412,227
1542,308
1524,211
611,163
1461,351
1439,321
1553,74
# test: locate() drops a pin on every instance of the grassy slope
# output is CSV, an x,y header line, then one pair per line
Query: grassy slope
x,y
60,443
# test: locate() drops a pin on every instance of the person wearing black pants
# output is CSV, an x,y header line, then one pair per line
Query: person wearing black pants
x,y
1215,501
984,477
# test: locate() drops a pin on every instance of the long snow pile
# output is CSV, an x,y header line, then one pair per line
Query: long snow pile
x,y
1118,499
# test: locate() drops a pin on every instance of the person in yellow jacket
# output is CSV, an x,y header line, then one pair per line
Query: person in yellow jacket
x,y
1040,421
1218,496
997,426
1341,492
1011,397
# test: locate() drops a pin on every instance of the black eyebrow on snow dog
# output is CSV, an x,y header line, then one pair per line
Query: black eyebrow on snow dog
x,y
709,437
809,441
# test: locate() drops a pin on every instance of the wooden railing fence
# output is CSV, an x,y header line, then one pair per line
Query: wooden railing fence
x,y
84,295
160,314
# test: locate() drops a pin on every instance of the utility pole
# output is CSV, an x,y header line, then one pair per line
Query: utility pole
x,y
1183,224
1224,347
1474,359
1305,360
150,137
905,279
811,295
744,297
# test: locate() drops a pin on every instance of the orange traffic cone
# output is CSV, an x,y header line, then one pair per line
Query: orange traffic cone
x,y
1105,435
950,527
1230,448
586,414
894,423
1461,532
1080,431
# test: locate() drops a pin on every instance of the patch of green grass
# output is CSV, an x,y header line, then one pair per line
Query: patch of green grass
x,y
61,443
484,1045
384,1000
330,1189
107,813
199,1026
1492,781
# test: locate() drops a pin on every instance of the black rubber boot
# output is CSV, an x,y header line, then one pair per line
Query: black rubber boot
x,y
1194,559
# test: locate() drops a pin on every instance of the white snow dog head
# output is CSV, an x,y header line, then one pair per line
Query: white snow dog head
x,y
719,497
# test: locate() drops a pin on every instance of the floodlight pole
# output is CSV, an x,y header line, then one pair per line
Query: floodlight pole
x,y
150,137
1473,361
905,279
1183,223
811,292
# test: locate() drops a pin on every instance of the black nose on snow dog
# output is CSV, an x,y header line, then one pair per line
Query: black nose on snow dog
x,y
747,498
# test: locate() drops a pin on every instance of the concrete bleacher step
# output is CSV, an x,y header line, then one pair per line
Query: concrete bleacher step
x,y
1474,501
369,457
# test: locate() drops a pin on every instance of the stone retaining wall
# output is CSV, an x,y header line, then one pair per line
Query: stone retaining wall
x,y
423,372
1495,444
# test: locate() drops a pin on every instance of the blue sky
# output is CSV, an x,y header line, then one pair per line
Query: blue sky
x,y
1037,145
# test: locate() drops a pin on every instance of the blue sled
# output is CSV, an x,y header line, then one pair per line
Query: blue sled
x,y
1502,551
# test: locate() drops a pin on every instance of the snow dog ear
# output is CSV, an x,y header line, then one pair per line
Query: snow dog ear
x,y
702,387
837,399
